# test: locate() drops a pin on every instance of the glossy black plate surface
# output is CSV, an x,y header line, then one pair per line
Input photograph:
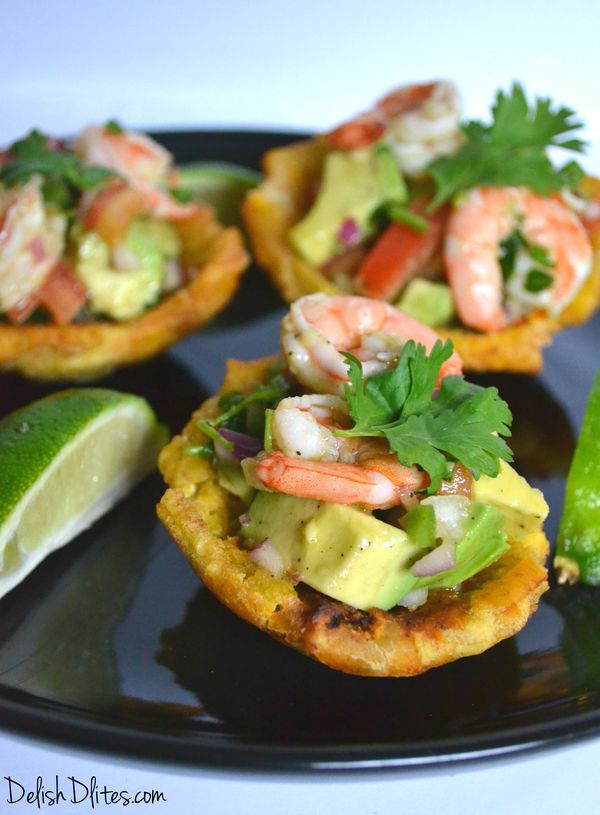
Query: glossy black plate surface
x,y
113,643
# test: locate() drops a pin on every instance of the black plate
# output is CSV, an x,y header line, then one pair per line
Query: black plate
x,y
112,642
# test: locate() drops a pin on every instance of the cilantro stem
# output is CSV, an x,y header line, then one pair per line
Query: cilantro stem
x,y
208,430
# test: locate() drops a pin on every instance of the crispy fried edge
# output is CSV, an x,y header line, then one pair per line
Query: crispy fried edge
x,y
200,516
87,350
272,208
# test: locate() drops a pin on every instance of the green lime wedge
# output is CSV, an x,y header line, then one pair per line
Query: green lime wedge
x,y
223,186
64,461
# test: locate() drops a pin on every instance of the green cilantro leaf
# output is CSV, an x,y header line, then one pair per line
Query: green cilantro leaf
x,y
462,422
403,390
63,174
511,151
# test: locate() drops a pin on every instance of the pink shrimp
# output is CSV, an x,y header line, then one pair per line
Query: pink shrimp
x,y
420,122
145,164
477,226
377,483
318,327
32,240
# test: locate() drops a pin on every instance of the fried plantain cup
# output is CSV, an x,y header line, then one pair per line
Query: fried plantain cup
x,y
292,175
215,258
201,517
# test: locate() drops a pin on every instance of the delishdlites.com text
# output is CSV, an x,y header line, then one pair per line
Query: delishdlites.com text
x,y
70,790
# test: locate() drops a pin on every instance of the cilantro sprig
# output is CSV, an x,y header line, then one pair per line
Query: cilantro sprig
x,y
64,176
511,151
246,413
462,422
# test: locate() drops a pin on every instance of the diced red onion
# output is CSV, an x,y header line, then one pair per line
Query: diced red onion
x,y
244,446
224,455
37,247
244,519
440,559
413,599
348,233
408,498
267,556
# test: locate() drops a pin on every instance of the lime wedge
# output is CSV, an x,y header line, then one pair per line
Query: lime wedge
x,y
64,461
223,186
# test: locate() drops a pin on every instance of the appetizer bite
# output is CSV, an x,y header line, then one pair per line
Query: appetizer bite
x,y
468,227
354,499
101,261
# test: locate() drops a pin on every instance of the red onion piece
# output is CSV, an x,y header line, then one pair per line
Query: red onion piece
x,y
440,559
348,233
37,248
244,446
413,599
267,556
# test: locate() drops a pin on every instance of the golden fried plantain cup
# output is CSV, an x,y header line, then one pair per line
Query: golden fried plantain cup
x,y
87,350
292,174
201,517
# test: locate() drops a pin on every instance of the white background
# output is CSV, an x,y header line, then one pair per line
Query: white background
x,y
294,65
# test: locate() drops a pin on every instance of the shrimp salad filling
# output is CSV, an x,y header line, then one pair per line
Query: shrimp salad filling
x,y
88,228
456,223
366,466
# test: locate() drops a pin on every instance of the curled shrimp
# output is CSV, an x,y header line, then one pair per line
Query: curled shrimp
x,y
482,220
377,483
318,327
302,426
31,242
420,122
144,163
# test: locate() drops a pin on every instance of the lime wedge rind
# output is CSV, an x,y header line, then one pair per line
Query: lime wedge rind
x,y
222,185
97,466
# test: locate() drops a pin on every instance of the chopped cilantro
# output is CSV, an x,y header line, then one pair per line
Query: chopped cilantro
x,y
64,176
237,410
511,151
537,280
463,422
181,195
114,127
509,248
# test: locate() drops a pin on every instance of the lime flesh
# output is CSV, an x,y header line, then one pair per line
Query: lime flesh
x,y
223,186
65,461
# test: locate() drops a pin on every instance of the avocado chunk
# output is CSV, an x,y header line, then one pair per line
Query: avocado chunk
x,y
430,303
354,184
123,294
483,543
353,557
231,478
280,518
523,507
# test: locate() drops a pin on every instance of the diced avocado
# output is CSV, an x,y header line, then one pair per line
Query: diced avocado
x,y
430,303
281,518
353,557
231,478
354,184
419,525
523,506
123,294
483,542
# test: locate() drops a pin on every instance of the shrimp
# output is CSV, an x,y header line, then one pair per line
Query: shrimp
x,y
144,163
31,242
377,483
318,327
482,220
302,426
420,122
